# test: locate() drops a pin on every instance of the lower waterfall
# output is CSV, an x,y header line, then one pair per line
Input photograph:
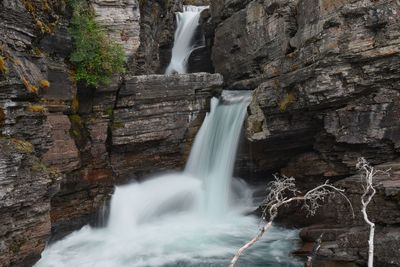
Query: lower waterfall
x,y
193,218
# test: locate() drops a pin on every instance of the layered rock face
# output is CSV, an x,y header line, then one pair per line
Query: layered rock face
x,y
29,110
121,18
155,120
157,27
345,237
26,188
64,148
326,80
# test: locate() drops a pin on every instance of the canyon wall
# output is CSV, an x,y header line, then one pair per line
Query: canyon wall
x,y
326,83
64,146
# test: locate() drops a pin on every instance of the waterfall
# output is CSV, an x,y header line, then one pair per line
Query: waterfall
x,y
214,151
194,218
184,44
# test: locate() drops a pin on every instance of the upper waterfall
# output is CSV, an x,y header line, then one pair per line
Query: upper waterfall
x,y
184,44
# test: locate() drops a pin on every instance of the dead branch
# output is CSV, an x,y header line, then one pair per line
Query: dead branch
x,y
367,177
282,192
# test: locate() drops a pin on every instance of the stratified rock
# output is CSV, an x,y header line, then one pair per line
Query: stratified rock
x,y
63,154
155,120
25,192
121,19
325,75
157,27
346,238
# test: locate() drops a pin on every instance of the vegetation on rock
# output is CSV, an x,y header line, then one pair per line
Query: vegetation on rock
x,y
96,57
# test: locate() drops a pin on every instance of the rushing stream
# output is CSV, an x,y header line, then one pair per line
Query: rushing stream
x,y
193,218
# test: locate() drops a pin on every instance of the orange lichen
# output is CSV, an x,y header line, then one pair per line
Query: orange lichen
x,y
35,108
286,101
31,88
37,11
3,65
44,83
75,105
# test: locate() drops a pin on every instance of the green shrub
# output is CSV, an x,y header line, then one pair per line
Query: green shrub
x,y
95,57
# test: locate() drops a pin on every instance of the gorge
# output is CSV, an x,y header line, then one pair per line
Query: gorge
x,y
324,81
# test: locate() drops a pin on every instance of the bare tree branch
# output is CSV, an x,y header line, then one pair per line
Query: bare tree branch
x,y
283,191
369,192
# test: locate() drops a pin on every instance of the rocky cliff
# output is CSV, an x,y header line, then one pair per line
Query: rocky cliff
x,y
326,81
65,145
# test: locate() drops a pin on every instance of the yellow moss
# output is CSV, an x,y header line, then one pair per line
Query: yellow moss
x,y
38,166
31,88
76,119
286,101
37,11
23,146
3,65
44,83
75,105
35,108
46,6
72,75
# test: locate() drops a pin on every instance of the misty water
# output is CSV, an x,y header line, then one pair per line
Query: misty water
x,y
194,218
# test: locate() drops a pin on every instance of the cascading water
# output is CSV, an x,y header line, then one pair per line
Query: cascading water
x,y
213,154
191,218
184,45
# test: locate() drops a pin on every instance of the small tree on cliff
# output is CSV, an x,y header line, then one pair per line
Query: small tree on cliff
x,y
367,178
282,192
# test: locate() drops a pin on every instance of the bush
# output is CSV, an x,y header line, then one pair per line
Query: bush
x,y
96,58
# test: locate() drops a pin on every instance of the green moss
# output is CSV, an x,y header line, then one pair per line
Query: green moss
x,y
109,111
117,125
286,101
96,57
78,131
38,166
75,119
23,146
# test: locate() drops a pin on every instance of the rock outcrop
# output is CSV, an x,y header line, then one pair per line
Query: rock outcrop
x,y
78,142
345,238
26,188
326,80
155,120
121,19
157,28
